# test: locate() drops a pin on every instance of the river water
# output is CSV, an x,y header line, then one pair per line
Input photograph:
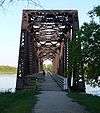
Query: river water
x,y
8,83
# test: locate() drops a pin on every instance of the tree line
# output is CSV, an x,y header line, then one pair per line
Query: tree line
x,y
7,70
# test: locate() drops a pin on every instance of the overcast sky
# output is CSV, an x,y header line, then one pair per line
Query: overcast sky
x,y
10,23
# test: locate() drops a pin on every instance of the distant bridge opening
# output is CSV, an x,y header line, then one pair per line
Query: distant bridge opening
x,y
47,65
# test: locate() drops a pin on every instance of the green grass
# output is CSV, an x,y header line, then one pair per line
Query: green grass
x,y
7,70
92,103
20,102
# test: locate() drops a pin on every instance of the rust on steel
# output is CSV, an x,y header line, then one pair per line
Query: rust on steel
x,y
45,35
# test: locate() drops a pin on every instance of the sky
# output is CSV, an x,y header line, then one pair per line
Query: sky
x,y
10,22
46,62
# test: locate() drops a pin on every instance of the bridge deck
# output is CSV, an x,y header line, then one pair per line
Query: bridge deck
x,y
49,84
53,100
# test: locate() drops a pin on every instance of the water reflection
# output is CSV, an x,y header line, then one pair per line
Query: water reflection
x,y
7,83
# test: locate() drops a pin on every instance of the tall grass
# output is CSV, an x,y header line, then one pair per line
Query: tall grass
x,y
92,103
19,102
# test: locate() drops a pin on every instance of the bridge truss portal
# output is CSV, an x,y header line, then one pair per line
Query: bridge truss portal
x,y
45,34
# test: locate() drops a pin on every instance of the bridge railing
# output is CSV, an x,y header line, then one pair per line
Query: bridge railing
x,y
61,81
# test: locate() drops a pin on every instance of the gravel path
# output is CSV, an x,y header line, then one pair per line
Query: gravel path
x,y
53,100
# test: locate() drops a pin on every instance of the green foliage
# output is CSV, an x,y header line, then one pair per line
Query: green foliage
x,y
48,67
90,47
7,70
92,103
75,57
19,102
95,11
84,50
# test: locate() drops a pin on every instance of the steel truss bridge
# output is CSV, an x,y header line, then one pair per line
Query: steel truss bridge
x,y
45,34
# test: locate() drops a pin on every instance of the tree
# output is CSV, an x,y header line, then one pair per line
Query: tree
x,y
48,67
76,64
90,46
84,51
95,12
34,2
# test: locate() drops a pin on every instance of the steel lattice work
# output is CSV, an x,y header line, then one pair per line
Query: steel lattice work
x,y
45,35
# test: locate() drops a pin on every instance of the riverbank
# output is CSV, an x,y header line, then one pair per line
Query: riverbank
x,y
21,101
8,70
92,103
